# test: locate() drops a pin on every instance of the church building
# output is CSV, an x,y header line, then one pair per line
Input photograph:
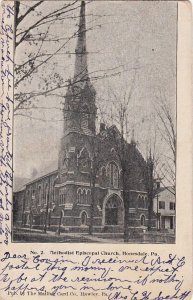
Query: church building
x,y
90,187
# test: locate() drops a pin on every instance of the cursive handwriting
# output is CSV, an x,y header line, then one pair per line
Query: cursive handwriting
x,y
141,278
6,108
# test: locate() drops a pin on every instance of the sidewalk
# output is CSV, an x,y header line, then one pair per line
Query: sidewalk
x,y
64,236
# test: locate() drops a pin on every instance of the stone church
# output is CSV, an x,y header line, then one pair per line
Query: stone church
x,y
88,185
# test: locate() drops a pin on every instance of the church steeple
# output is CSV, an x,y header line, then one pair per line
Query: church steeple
x,y
79,106
81,68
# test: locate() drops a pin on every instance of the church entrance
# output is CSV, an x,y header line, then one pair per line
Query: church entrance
x,y
113,211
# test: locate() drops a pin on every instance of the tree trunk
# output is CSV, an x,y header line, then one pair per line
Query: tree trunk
x,y
46,216
31,218
150,213
126,213
16,13
23,216
59,224
150,189
49,219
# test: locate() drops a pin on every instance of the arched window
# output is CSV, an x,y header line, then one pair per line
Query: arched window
x,y
33,197
78,195
84,117
39,195
46,194
142,220
65,159
103,175
62,197
114,175
84,196
146,202
88,196
141,201
111,211
28,199
113,151
83,218
112,203
84,160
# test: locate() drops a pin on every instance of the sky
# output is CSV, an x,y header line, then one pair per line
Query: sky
x,y
135,38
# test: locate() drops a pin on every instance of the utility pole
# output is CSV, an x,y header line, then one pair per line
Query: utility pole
x,y
157,212
23,209
30,215
59,224
47,207
46,216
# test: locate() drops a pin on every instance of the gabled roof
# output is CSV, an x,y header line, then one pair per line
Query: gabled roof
x,y
21,183
42,176
165,194
113,130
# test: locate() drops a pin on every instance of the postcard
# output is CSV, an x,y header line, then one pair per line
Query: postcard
x,y
96,150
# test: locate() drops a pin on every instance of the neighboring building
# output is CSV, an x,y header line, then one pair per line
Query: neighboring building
x,y
165,209
18,207
74,195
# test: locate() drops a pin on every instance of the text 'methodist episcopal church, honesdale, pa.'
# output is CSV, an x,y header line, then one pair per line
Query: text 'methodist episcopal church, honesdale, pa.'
x,y
88,184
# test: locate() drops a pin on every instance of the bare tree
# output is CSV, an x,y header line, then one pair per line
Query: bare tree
x,y
95,165
37,49
166,168
119,135
35,36
151,188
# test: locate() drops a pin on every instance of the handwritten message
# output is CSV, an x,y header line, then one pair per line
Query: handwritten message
x,y
6,109
132,277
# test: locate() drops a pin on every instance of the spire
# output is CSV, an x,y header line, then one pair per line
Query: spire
x,y
150,160
81,70
133,137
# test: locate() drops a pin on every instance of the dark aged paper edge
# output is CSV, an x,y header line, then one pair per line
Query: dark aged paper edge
x,y
184,146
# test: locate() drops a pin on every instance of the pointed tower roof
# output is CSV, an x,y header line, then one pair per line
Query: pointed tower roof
x,y
81,68
81,84
133,142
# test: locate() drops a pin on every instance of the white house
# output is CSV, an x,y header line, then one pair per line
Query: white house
x,y
165,208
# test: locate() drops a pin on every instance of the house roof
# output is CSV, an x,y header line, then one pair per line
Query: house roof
x,y
165,194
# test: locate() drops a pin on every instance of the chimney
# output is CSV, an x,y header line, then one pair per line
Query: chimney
x,y
158,185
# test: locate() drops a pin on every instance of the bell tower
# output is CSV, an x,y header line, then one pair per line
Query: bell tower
x,y
79,109
79,106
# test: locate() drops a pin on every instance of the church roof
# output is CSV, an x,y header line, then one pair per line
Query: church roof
x,y
52,168
21,183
